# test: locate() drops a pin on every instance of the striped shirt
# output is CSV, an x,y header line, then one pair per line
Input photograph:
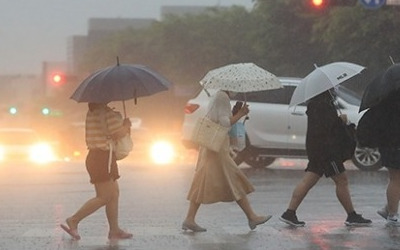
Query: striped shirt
x,y
100,124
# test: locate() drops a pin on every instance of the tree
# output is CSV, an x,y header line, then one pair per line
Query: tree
x,y
284,37
360,35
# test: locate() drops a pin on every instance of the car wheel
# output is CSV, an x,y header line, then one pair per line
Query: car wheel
x,y
250,155
256,161
367,159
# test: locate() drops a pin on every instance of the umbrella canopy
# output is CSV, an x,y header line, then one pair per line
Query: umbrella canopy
x,y
322,79
119,83
381,87
241,77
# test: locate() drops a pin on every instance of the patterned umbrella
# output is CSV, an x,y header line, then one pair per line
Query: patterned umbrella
x,y
241,77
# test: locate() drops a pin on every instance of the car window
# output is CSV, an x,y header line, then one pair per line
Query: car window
x,y
275,96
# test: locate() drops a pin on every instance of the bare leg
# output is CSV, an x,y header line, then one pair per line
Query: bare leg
x,y
393,191
192,211
189,223
342,192
244,204
103,196
253,219
112,209
301,190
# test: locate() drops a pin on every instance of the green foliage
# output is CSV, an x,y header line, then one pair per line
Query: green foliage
x,y
359,35
285,37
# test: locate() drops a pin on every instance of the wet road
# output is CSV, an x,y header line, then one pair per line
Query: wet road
x,y
35,200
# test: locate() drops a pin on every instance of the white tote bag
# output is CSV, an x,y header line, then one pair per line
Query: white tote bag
x,y
122,146
209,134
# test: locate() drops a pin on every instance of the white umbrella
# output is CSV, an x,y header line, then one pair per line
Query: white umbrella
x,y
322,79
241,77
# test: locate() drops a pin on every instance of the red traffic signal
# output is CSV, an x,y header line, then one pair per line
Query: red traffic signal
x,y
57,78
319,4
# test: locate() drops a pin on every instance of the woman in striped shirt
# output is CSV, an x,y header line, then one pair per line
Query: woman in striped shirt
x,y
102,125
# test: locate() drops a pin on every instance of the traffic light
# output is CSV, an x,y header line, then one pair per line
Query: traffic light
x,y
46,111
57,78
319,4
54,77
13,110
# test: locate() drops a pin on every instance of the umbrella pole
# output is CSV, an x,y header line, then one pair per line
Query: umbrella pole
x,y
335,103
245,102
391,59
123,104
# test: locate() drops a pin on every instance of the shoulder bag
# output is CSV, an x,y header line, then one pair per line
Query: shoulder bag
x,y
121,146
209,134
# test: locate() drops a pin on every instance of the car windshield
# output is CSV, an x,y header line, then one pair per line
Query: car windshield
x,y
17,137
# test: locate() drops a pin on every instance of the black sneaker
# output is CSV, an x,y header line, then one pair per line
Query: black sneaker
x,y
291,219
357,220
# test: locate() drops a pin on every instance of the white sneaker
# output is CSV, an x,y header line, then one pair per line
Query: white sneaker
x,y
393,220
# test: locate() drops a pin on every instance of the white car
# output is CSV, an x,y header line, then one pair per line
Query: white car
x,y
24,144
275,130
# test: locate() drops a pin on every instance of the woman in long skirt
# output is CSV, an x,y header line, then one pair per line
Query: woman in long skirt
x,y
217,177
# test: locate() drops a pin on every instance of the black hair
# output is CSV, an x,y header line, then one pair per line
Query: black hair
x,y
93,106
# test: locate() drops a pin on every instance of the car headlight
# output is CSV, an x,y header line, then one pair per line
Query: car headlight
x,y
162,152
41,153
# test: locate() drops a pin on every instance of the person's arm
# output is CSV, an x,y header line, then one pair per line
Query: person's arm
x,y
117,126
242,112
123,130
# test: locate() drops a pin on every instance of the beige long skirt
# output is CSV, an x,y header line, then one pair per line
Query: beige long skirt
x,y
218,178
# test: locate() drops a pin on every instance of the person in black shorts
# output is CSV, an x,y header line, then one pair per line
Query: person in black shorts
x,y
325,158
102,123
390,155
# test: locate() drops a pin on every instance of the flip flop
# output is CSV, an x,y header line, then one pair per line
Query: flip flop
x,y
73,232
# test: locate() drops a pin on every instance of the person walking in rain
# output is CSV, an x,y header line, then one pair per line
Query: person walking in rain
x,y
388,114
324,158
217,177
101,121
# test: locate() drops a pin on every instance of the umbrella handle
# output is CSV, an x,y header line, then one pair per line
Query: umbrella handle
x,y
391,59
245,103
123,104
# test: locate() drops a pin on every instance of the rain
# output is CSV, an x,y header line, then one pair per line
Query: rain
x,y
78,76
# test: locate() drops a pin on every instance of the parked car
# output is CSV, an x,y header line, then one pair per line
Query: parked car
x,y
24,144
275,130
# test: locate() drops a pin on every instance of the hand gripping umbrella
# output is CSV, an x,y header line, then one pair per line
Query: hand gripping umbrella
x,y
119,83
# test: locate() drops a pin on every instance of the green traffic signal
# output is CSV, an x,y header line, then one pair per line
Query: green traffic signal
x,y
45,111
13,110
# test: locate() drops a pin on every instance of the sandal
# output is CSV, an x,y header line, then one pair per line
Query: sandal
x,y
73,232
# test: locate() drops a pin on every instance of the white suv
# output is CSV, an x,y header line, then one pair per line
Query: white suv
x,y
275,130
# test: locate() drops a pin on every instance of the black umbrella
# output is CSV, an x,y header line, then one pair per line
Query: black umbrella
x,y
119,83
381,87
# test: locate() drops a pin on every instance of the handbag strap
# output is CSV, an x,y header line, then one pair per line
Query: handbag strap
x,y
103,120
211,108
